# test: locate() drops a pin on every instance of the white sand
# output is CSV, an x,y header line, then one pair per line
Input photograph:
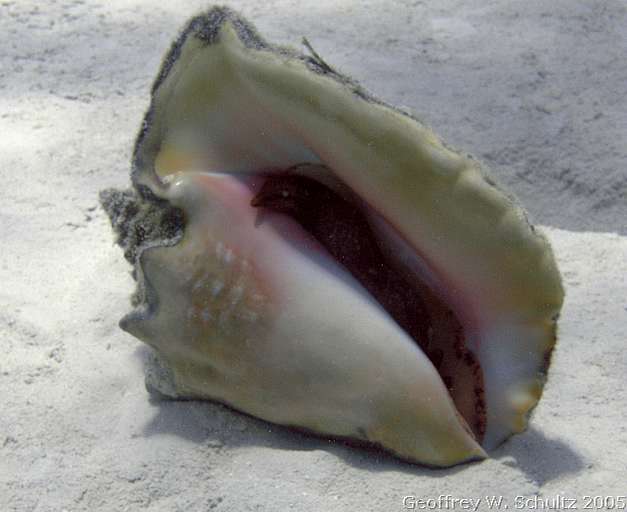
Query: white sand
x,y
536,89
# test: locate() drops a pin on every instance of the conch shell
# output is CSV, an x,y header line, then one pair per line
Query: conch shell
x,y
316,258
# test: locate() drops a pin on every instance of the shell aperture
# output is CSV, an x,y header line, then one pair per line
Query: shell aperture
x,y
345,233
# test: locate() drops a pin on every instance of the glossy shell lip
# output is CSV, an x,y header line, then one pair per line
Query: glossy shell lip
x,y
227,101
232,311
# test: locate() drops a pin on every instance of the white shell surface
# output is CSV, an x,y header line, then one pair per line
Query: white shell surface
x,y
246,315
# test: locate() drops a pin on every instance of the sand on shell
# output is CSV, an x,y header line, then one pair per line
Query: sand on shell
x,y
535,89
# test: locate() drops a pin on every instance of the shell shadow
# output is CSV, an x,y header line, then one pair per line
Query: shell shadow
x,y
212,424
541,458
217,425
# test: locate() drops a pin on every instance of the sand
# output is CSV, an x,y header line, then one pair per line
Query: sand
x,y
535,89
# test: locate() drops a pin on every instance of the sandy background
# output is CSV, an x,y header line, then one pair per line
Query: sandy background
x,y
535,89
